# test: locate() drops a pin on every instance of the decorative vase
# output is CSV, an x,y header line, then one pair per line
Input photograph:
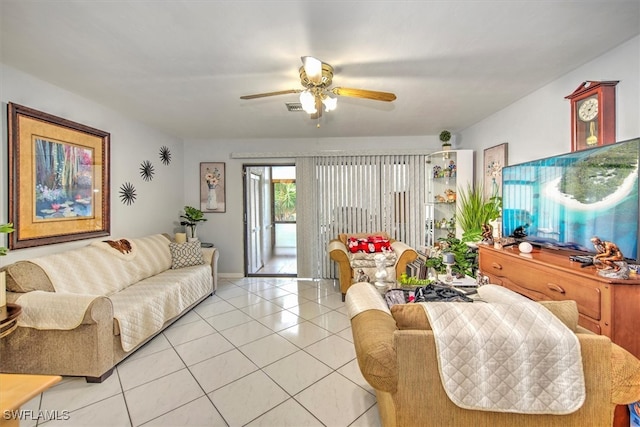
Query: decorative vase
x,y
192,234
212,199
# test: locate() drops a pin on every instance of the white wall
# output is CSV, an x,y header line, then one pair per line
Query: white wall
x,y
158,203
226,230
539,125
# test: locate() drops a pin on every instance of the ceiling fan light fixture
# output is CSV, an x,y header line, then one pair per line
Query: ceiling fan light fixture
x,y
308,101
330,103
313,68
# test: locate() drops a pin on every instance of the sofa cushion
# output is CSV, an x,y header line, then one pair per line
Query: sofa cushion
x,y
141,310
410,316
25,276
566,311
360,259
185,254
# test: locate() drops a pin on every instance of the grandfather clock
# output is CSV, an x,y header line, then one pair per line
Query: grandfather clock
x,y
593,114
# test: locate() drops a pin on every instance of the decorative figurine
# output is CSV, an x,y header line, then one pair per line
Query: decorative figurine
x,y
437,171
609,260
361,276
451,195
452,168
520,232
608,254
487,234
381,273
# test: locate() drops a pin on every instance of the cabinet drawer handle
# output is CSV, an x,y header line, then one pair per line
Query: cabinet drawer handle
x,y
555,288
496,266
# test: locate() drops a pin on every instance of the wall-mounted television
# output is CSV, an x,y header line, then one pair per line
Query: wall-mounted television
x,y
561,202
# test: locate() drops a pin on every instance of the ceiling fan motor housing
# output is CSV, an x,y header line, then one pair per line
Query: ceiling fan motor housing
x,y
327,77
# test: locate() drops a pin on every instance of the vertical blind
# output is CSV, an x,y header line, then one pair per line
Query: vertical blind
x,y
356,194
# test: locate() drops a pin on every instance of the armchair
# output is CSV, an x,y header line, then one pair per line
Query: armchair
x,y
339,252
397,356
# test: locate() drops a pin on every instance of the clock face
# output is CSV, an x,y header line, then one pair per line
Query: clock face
x,y
588,110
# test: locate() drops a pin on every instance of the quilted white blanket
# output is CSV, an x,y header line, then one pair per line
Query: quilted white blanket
x,y
51,310
509,354
79,276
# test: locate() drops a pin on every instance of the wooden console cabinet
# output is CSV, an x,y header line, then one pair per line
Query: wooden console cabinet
x,y
607,306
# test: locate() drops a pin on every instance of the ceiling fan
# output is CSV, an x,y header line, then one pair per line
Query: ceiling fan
x,y
316,76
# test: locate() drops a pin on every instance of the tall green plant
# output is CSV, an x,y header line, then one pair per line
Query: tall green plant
x,y
474,210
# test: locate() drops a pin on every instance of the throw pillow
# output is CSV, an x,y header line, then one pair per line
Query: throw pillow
x,y
356,245
410,316
185,254
566,311
25,276
371,244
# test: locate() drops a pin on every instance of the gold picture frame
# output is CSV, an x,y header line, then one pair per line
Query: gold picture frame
x,y
212,187
495,158
58,179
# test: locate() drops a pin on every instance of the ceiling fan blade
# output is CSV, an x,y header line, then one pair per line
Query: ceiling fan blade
x,y
363,93
313,67
263,95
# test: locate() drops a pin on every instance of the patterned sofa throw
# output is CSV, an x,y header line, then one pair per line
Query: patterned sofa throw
x,y
185,254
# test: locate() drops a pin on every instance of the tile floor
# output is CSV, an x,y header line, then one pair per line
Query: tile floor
x,y
261,352
282,263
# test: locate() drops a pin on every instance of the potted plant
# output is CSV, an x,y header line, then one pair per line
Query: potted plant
x,y
466,258
445,137
5,228
191,218
474,210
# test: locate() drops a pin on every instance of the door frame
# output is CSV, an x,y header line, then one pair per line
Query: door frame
x,y
245,199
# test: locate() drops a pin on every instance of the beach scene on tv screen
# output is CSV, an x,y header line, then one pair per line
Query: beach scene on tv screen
x,y
564,201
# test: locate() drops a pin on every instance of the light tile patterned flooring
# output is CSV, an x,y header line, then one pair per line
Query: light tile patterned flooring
x,y
260,352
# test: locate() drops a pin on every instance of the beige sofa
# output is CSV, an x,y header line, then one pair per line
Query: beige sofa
x,y
396,353
85,310
339,252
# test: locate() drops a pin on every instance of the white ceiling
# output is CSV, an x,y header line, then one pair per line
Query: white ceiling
x,y
181,66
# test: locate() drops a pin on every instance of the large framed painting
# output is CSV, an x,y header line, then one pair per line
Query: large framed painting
x,y
212,187
58,179
495,158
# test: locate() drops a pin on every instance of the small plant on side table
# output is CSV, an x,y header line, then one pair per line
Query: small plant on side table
x,y
192,216
5,228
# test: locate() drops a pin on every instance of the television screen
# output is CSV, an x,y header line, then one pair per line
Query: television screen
x,y
563,201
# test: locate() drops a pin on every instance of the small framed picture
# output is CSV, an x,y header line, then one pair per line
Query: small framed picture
x,y
212,187
495,158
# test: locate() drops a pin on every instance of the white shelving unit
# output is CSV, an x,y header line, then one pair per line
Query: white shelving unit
x,y
448,173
